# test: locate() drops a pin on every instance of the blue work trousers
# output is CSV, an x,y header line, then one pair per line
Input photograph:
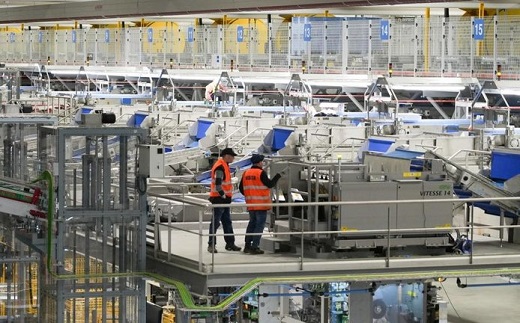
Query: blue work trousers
x,y
221,214
256,225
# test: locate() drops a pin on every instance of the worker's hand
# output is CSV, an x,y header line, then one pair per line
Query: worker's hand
x,y
222,194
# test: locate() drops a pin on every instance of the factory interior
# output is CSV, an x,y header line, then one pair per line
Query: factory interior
x,y
394,127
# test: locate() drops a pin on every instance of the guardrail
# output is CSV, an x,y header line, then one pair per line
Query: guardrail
x,y
388,232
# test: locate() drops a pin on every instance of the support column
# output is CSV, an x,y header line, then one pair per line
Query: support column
x,y
426,40
344,42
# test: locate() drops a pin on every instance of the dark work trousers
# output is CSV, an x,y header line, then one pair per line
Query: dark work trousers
x,y
256,224
221,214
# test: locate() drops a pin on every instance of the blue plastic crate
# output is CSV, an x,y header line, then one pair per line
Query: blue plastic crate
x,y
504,165
126,101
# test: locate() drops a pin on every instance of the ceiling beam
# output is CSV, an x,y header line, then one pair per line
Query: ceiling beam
x,y
142,8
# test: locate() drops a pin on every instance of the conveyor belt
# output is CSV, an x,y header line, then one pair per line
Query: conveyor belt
x,y
479,185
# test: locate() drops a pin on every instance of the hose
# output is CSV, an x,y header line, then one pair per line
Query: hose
x,y
47,176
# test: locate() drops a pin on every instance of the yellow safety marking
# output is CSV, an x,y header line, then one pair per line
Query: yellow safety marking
x,y
412,174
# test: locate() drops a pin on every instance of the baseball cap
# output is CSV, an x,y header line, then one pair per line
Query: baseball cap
x,y
227,151
256,158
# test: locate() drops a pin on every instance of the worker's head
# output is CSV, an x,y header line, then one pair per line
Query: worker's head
x,y
228,155
257,159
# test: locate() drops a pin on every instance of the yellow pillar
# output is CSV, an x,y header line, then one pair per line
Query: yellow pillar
x,y
480,46
426,39
326,13
22,27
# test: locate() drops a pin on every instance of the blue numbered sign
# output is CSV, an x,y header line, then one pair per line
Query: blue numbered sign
x,y
150,35
40,37
11,37
478,29
74,36
240,34
107,36
191,34
307,29
385,30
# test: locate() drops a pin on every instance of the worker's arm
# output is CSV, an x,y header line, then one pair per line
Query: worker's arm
x,y
219,178
241,185
270,183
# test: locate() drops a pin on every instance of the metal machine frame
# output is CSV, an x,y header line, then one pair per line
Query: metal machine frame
x,y
98,247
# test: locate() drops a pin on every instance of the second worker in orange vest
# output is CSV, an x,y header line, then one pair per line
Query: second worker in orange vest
x,y
256,188
221,192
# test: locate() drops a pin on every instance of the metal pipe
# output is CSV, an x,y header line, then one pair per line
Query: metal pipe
x,y
461,285
387,258
472,232
354,233
175,197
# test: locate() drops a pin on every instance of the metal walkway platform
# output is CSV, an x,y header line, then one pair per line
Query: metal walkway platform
x,y
187,260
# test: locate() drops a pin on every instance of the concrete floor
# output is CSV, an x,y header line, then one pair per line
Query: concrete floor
x,y
498,304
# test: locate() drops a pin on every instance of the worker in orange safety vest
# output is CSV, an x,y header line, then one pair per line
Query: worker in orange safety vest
x,y
221,191
256,188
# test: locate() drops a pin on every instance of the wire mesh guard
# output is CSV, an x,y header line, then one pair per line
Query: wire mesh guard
x,y
415,46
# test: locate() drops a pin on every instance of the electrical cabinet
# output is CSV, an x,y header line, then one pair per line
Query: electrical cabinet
x,y
151,161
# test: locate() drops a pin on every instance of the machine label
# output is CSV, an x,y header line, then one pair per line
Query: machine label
x,y
412,174
436,193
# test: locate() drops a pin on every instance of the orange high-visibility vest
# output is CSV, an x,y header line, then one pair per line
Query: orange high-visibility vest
x,y
227,186
255,191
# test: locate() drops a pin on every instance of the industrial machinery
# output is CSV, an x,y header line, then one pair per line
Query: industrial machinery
x,y
365,226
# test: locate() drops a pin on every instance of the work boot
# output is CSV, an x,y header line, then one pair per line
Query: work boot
x,y
247,249
233,248
256,251
212,249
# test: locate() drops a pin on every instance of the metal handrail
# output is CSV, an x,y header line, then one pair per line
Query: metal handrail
x,y
386,232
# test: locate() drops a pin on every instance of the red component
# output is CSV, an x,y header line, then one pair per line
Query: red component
x,y
36,196
38,214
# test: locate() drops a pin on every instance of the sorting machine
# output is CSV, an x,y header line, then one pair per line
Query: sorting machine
x,y
368,226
